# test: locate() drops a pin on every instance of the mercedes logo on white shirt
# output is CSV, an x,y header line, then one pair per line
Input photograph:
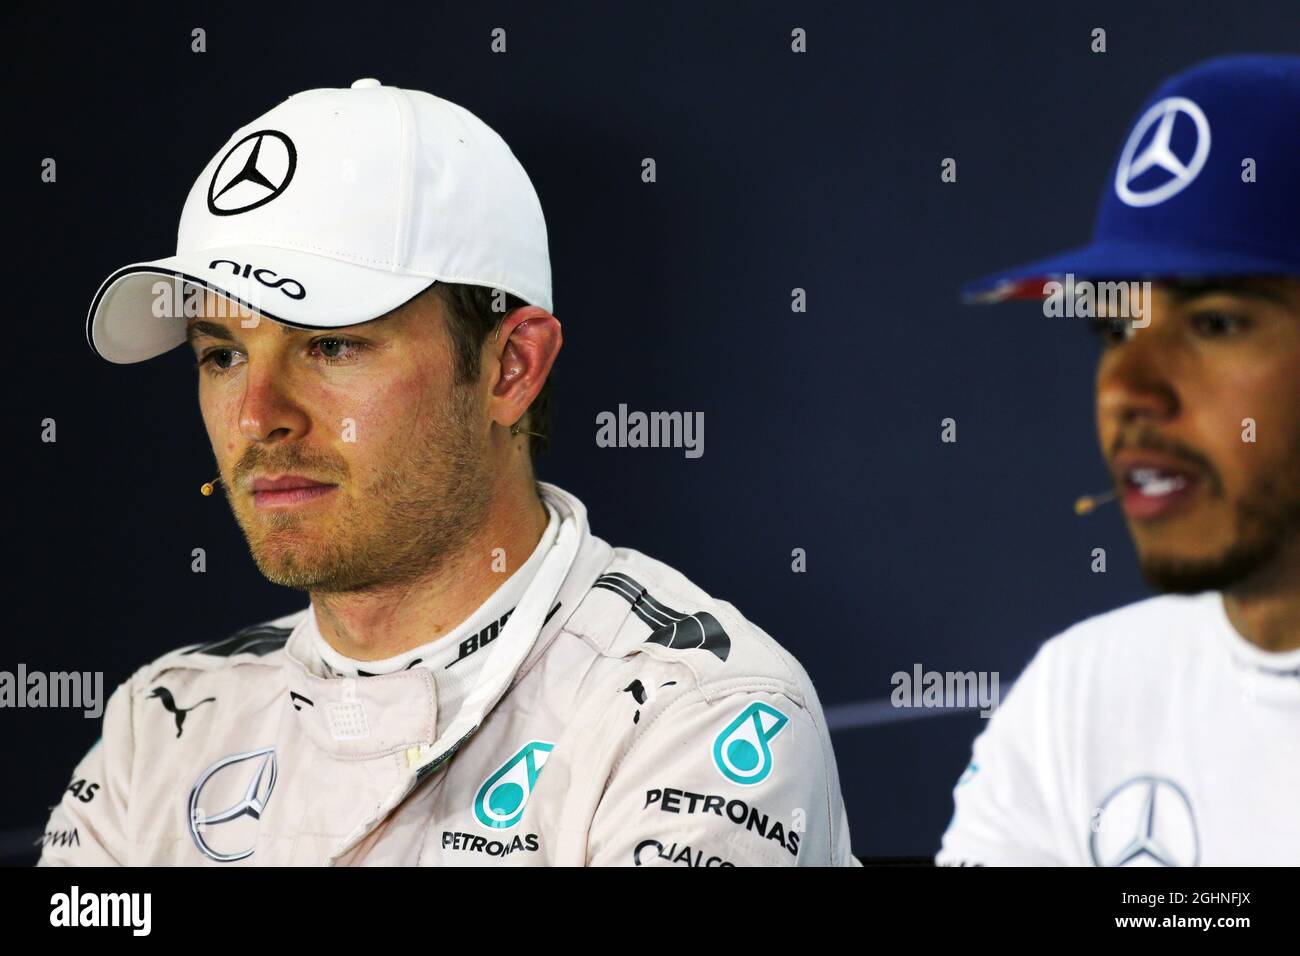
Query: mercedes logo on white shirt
x,y
1159,153
1146,821
256,794
252,173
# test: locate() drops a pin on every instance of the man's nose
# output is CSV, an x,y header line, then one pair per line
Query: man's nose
x,y
1136,383
267,413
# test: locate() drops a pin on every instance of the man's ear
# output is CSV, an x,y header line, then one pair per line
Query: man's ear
x,y
524,351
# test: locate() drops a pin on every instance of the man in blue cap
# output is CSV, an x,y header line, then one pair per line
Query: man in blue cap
x,y
1167,733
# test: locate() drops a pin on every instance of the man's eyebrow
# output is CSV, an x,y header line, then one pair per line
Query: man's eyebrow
x,y
1244,287
216,330
212,330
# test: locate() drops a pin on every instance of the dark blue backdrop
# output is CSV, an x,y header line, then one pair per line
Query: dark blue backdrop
x,y
775,171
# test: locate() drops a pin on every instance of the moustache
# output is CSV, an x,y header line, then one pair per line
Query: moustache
x,y
1150,441
257,460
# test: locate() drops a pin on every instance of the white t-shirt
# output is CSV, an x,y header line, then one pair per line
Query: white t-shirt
x,y
455,658
1151,735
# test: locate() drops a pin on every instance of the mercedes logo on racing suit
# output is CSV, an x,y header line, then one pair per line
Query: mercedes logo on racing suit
x,y
256,795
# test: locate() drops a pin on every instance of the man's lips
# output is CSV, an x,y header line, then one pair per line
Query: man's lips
x,y
1153,485
288,491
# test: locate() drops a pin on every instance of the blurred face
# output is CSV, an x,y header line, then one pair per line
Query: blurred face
x,y
350,458
1207,506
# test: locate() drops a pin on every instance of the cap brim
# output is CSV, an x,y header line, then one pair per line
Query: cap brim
x,y
1123,260
141,310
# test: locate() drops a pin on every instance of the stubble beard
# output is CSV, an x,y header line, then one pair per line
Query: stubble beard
x,y
1267,519
423,510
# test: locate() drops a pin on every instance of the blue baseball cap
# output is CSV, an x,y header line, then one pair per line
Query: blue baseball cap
x,y
1206,185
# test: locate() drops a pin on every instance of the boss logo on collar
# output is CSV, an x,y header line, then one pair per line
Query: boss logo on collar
x,y
483,638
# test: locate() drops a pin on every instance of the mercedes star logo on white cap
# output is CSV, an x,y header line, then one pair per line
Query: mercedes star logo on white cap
x,y
253,174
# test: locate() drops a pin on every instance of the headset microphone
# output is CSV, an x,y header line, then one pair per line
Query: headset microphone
x,y
1089,503
209,486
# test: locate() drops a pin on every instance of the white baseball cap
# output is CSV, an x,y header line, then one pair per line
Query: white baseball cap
x,y
332,209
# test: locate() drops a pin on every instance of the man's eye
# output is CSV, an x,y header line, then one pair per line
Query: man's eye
x,y
1217,324
218,360
1111,331
335,350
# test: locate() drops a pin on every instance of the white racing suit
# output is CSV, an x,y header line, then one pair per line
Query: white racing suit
x,y
621,717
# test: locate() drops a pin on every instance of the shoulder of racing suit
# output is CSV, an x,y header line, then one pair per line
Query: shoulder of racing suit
x,y
727,727
641,607
258,645
637,606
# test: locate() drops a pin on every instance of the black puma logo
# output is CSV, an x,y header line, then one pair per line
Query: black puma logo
x,y
169,703
637,690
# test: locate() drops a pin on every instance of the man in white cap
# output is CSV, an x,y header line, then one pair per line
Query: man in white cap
x,y
363,277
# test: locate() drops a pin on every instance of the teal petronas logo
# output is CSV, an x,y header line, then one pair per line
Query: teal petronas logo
x,y
500,802
741,752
